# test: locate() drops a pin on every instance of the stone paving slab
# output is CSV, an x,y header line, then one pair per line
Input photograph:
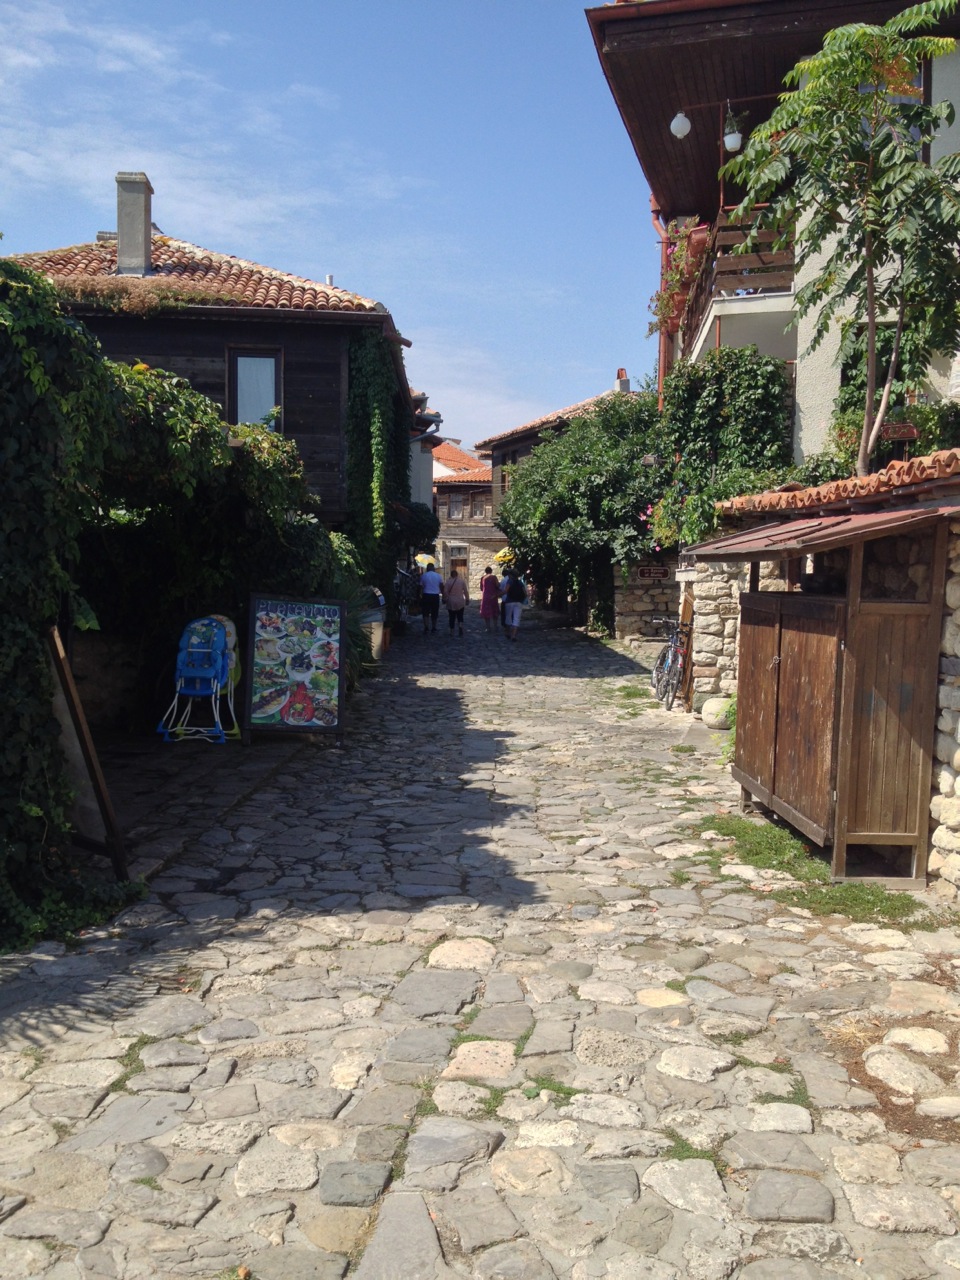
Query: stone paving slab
x,y
465,998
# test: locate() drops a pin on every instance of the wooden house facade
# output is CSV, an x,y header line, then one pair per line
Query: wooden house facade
x,y
251,338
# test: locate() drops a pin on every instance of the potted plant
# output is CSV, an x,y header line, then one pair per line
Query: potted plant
x,y
686,243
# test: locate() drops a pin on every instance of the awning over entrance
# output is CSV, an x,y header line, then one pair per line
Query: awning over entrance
x,y
792,538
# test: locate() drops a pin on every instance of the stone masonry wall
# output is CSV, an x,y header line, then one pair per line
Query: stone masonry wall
x,y
944,859
716,621
716,626
638,600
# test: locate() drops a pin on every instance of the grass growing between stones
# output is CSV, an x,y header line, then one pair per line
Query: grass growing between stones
x,y
426,1106
798,1097
521,1043
780,1065
684,1150
767,846
683,749
132,1063
35,1055
464,1037
862,903
492,1102
772,847
547,1084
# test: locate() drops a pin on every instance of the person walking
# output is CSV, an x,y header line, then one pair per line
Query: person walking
x,y
457,597
489,599
514,598
431,588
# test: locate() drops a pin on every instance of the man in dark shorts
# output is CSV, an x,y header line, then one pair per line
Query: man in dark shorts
x,y
431,588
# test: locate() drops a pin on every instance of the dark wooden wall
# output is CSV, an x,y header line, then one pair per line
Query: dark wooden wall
x,y
314,357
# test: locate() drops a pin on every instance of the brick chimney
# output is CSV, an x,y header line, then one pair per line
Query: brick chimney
x,y
623,382
133,224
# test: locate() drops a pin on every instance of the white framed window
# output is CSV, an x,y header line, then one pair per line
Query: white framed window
x,y
254,384
478,506
456,506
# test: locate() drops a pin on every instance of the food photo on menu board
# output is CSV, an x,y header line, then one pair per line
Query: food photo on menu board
x,y
296,680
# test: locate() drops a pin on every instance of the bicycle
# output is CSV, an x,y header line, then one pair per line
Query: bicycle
x,y
668,670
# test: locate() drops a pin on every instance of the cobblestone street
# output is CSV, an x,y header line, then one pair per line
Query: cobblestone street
x,y
467,998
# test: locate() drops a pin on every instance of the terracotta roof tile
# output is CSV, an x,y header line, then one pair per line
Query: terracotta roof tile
x,y
894,478
480,475
229,281
550,419
448,455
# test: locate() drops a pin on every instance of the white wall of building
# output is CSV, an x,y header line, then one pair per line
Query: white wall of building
x,y
421,473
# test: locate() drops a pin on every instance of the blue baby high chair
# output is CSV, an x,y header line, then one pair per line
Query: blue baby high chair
x,y
206,668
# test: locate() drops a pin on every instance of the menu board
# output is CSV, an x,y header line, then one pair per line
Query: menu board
x,y
296,674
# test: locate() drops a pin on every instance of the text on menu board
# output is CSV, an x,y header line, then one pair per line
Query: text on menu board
x,y
296,671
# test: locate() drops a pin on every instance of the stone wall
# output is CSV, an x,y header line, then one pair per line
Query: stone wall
x,y
637,600
716,627
944,862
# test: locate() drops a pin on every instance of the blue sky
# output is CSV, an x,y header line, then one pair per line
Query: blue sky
x,y
462,163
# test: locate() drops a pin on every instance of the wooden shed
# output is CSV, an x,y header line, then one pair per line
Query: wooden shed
x,y
837,683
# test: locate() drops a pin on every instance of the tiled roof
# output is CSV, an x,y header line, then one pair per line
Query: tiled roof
x,y
896,478
479,475
186,268
549,419
448,455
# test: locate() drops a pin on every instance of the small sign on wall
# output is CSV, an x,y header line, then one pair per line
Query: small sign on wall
x,y
649,571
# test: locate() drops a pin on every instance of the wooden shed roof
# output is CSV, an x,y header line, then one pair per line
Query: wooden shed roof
x,y
803,537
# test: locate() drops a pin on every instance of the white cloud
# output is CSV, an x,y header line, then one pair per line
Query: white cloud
x,y
468,386
83,99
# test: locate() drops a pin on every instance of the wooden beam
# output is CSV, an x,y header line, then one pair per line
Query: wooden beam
x,y
846,749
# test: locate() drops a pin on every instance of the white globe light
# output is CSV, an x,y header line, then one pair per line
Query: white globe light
x,y
679,125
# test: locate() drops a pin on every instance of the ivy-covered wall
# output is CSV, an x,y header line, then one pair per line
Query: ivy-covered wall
x,y
726,425
378,456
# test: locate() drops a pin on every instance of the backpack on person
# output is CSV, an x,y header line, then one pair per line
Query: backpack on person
x,y
516,591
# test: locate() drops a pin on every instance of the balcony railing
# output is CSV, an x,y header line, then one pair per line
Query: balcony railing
x,y
726,274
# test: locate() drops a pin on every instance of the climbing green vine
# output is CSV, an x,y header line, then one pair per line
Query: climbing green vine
x,y
58,410
378,454
726,428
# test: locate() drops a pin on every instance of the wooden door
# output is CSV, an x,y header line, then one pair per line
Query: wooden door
x,y
757,681
787,706
811,633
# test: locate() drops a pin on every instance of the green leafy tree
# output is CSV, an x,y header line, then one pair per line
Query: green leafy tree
x,y
838,170
581,503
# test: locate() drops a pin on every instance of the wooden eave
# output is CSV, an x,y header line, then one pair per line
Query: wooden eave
x,y
788,539
664,56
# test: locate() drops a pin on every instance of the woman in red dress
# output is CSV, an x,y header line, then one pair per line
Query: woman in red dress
x,y
489,599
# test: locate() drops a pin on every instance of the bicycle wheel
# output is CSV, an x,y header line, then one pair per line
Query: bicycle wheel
x,y
658,667
664,676
672,682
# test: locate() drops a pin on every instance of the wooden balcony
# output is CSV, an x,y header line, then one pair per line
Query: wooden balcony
x,y
724,273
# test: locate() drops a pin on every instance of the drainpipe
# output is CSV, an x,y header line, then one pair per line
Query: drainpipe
x,y
663,351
